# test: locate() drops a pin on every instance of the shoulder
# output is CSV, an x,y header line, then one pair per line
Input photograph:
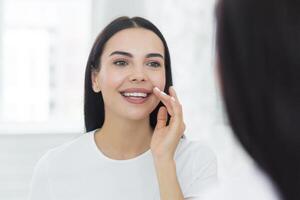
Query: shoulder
x,y
67,151
196,166
248,183
194,151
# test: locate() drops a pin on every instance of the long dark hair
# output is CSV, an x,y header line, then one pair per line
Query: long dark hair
x,y
93,102
258,46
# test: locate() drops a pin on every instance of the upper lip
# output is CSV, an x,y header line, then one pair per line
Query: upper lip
x,y
138,90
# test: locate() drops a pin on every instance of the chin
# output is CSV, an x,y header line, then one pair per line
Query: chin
x,y
137,116
137,113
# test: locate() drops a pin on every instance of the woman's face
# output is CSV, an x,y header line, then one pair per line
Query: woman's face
x,y
132,63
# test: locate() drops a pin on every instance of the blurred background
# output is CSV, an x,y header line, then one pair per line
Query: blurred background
x,y
44,45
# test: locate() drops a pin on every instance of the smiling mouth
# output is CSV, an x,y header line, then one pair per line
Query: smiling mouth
x,y
135,94
136,97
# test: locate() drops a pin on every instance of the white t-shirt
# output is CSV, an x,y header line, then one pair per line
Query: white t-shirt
x,y
242,179
249,184
78,170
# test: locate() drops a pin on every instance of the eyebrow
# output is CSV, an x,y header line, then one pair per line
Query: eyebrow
x,y
150,55
123,53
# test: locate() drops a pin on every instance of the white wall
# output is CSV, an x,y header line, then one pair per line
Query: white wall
x,y
1,46
18,156
104,11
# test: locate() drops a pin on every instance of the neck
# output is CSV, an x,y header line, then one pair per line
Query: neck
x,y
121,138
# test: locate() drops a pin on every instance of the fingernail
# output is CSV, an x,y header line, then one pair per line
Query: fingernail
x,y
172,98
156,88
163,93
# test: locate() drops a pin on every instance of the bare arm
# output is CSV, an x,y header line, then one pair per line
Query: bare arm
x,y
167,179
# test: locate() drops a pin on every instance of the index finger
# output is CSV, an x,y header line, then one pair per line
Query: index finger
x,y
164,98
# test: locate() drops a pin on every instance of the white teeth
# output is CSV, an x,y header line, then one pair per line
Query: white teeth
x,y
134,94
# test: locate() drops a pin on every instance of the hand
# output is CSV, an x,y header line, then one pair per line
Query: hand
x,y
166,138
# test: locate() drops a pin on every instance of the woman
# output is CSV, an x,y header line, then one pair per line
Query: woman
x,y
258,45
132,149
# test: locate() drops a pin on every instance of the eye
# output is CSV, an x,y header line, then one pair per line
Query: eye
x,y
120,63
154,64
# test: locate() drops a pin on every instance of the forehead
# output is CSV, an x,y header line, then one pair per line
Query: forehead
x,y
138,41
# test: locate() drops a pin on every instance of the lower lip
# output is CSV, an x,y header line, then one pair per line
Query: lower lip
x,y
136,100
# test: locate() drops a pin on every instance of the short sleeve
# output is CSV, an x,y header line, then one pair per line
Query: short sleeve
x,y
204,174
40,188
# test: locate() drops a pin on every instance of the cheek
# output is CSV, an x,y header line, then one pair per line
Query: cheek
x,y
110,79
159,81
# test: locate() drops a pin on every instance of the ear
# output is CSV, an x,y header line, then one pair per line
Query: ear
x,y
95,81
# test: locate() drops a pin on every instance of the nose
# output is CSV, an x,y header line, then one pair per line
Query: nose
x,y
137,75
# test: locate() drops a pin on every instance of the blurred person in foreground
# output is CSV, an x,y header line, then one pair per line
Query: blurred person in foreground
x,y
258,49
